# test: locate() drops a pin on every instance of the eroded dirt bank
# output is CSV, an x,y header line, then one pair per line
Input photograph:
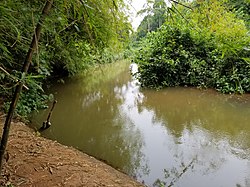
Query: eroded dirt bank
x,y
36,161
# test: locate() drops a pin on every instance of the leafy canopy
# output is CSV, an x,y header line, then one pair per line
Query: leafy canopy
x,y
76,35
206,45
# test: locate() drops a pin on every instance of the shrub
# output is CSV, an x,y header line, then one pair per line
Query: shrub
x,y
205,52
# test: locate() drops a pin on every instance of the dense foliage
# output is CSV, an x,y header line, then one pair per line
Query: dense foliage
x,y
241,9
206,45
155,16
77,34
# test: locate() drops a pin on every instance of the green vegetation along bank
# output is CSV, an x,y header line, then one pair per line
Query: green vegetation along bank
x,y
201,44
76,35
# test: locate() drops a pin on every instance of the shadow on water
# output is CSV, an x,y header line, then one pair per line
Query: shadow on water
x,y
173,137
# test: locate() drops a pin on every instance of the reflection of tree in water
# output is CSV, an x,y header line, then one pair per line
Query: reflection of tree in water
x,y
184,108
130,96
95,117
120,142
173,175
184,166
87,117
187,111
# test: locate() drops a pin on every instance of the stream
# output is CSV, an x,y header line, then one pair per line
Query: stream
x,y
182,137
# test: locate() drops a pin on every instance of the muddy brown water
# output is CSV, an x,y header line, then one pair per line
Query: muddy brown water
x,y
182,137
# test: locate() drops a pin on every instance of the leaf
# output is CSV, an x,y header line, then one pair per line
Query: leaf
x,y
247,60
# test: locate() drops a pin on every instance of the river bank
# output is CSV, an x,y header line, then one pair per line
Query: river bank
x,y
35,161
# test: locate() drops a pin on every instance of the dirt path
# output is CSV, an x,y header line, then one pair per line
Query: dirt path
x,y
37,162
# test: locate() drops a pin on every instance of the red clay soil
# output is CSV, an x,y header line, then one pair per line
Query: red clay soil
x,y
34,161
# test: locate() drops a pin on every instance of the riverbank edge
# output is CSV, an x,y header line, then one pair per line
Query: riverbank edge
x,y
32,160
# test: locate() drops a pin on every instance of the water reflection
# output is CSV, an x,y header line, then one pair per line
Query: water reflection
x,y
173,137
87,117
200,127
181,109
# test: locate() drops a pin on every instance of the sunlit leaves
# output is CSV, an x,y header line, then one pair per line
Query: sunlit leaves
x,y
213,18
206,45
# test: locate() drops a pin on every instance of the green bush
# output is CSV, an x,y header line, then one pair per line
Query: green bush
x,y
75,35
31,99
199,53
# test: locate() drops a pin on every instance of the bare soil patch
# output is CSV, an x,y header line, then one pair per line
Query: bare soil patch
x,y
35,161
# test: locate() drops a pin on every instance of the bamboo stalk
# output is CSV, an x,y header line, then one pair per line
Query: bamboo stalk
x,y
19,87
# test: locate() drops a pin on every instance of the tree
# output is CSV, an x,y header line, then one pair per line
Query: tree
x,y
241,8
205,46
18,90
156,15
77,35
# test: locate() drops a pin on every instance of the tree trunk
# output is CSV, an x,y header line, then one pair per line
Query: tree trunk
x,y
19,87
